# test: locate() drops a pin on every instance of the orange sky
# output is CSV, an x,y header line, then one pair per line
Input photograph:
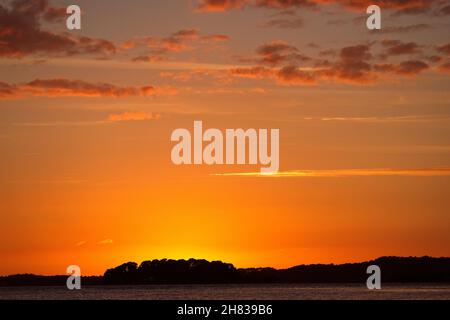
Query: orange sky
x,y
86,118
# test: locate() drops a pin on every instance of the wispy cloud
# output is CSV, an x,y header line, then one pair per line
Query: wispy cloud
x,y
182,40
417,118
67,181
61,87
406,29
338,173
399,6
127,116
81,243
105,242
132,116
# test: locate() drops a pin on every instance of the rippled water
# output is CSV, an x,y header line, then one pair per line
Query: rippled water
x,y
226,292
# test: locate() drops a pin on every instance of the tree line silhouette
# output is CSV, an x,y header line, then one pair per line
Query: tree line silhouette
x,y
197,271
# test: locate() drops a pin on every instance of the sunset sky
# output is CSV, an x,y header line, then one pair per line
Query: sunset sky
x,y
86,118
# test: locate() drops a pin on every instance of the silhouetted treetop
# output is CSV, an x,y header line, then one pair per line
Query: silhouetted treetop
x,y
172,271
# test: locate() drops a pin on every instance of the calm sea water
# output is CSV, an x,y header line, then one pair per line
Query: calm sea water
x,y
228,292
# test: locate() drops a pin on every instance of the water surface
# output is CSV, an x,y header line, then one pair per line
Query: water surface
x,y
229,292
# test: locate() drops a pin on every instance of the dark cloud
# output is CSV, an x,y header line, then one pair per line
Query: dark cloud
x,y
337,22
215,38
159,48
433,58
406,29
397,47
149,58
352,64
292,75
399,6
67,87
221,5
62,87
278,52
7,90
285,4
445,49
55,14
445,10
407,68
283,23
21,33
445,67
252,72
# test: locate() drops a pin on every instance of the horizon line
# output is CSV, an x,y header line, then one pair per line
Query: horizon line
x,y
260,267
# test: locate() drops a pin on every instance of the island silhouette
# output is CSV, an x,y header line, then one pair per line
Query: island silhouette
x,y
200,271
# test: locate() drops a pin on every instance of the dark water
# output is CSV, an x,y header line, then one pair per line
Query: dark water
x,y
238,292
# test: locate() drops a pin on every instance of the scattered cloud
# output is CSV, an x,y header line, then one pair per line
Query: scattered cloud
x,y
234,91
285,23
218,75
67,87
407,68
444,49
356,64
149,58
445,67
398,6
215,38
351,66
105,242
415,118
253,72
291,75
221,5
337,22
182,40
81,243
444,11
127,116
406,29
342,173
7,90
397,47
78,88
21,33
133,116
278,52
